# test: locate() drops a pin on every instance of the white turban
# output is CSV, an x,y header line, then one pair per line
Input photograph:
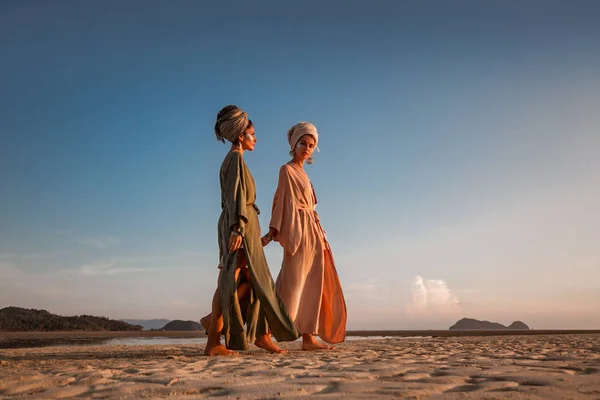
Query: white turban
x,y
299,130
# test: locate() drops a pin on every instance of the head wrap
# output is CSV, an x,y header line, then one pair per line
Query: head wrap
x,y
231,123
299,130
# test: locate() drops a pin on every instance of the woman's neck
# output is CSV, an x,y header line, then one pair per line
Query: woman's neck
x,y
238,149
298,162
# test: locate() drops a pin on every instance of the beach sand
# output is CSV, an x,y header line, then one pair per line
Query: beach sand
x,y
490,367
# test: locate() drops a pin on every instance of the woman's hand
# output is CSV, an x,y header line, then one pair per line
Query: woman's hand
x,y
265,240
273,234
235,241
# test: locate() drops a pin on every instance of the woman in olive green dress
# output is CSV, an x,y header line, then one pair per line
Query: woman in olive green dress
x,y
241,254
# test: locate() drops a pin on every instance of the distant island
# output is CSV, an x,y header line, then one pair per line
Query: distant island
x,y
179,325
148,324
474,324
166,325
21,319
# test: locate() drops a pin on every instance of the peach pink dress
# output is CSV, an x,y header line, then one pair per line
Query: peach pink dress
x,y
308,283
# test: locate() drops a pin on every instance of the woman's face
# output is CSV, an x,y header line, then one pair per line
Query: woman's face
x,y
248,139
305,147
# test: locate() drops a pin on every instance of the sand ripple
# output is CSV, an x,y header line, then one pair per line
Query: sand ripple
x,y
548,367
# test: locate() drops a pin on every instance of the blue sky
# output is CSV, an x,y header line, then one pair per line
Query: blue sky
x,y
458,175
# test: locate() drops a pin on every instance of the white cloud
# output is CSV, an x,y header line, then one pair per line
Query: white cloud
x,y
111,268
29,256
97,242
40,256
432,298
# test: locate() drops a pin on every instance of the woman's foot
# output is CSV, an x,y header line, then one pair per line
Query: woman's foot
x,y
265,342
219,350
310,343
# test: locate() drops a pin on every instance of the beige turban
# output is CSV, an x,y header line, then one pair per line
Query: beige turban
x,y
231,123
299,130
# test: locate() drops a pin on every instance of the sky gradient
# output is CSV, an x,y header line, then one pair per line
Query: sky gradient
x,y
459,171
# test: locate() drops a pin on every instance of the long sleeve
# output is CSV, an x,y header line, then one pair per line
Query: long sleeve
x,y
235,193
285,216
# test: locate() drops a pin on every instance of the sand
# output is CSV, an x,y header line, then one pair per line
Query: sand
x,y
492,367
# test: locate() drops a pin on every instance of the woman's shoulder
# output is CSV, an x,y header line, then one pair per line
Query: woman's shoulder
x,y
286,169
233,157
292,170
232,161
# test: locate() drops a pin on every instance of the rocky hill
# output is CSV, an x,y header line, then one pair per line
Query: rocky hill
x,y
474,324
518,325
179,325
22,319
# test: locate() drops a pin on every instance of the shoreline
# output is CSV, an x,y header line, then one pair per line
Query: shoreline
x,y
10,340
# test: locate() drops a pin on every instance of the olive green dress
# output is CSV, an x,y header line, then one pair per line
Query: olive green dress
x,y
264,311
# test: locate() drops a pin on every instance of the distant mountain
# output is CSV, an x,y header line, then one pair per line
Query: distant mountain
x,y
474,324
179,325
22,319
518,325
148,324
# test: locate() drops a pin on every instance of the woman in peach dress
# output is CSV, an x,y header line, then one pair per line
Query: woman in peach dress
x,y
308,282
